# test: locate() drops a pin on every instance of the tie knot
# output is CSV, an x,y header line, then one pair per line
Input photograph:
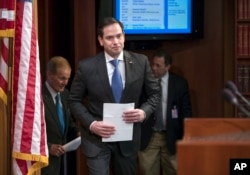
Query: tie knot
x,y
58,97
114,62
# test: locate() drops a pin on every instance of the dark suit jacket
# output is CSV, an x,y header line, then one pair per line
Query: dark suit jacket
x,y
53,129
178,96
91,82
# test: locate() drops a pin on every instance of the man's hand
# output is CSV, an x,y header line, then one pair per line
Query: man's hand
x,y
133,116
102,129
56,150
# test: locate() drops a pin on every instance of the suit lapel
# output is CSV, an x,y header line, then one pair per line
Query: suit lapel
x,y
129,73
171,93
104,80
129,68
50,105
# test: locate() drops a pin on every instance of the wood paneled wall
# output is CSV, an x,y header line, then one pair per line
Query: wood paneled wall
x,y
206,63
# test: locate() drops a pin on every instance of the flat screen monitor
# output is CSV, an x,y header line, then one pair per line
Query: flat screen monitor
x,y
160,19
155,20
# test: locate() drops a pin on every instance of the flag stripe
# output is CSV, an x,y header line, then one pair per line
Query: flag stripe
x,y
16,107
30,144
27,79
7,17
4,70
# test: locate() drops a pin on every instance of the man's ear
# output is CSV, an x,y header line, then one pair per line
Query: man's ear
x,y
100,39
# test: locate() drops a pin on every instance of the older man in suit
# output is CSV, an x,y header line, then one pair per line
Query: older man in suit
x,y
55,97
165,127
93,82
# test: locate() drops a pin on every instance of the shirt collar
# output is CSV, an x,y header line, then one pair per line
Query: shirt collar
x,y
109,58
164,79
51,90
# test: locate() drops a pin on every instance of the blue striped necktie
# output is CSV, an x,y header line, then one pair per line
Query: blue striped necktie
x,y
116,83
60,112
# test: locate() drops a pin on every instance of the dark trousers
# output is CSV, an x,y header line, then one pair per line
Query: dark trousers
x,y
110,158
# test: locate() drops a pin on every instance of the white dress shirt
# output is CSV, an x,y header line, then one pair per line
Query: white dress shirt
x,y
111,68
164,85
51,91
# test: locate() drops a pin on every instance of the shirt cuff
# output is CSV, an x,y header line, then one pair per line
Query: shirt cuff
x,y
90,127
144,117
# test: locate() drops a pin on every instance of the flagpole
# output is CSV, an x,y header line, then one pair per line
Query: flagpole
x,y
9,107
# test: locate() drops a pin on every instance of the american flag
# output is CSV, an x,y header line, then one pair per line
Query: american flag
x,y
30,150
4,69
6,52
6,30
7,16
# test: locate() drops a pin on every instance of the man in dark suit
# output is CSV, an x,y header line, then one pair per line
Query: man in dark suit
x,y
58,73
165,127
93,82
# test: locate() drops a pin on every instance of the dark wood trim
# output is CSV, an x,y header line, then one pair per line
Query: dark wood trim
x,y
84,46
84,29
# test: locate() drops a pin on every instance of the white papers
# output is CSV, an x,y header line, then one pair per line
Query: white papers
x,y
112,114
72,145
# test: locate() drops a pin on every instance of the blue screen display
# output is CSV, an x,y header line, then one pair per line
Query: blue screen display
x,y
154,16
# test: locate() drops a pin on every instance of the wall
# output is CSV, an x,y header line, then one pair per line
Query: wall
x,y
201,61
206,63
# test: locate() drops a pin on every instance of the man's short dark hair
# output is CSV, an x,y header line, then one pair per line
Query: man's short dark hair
x,y
105,22
162,53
